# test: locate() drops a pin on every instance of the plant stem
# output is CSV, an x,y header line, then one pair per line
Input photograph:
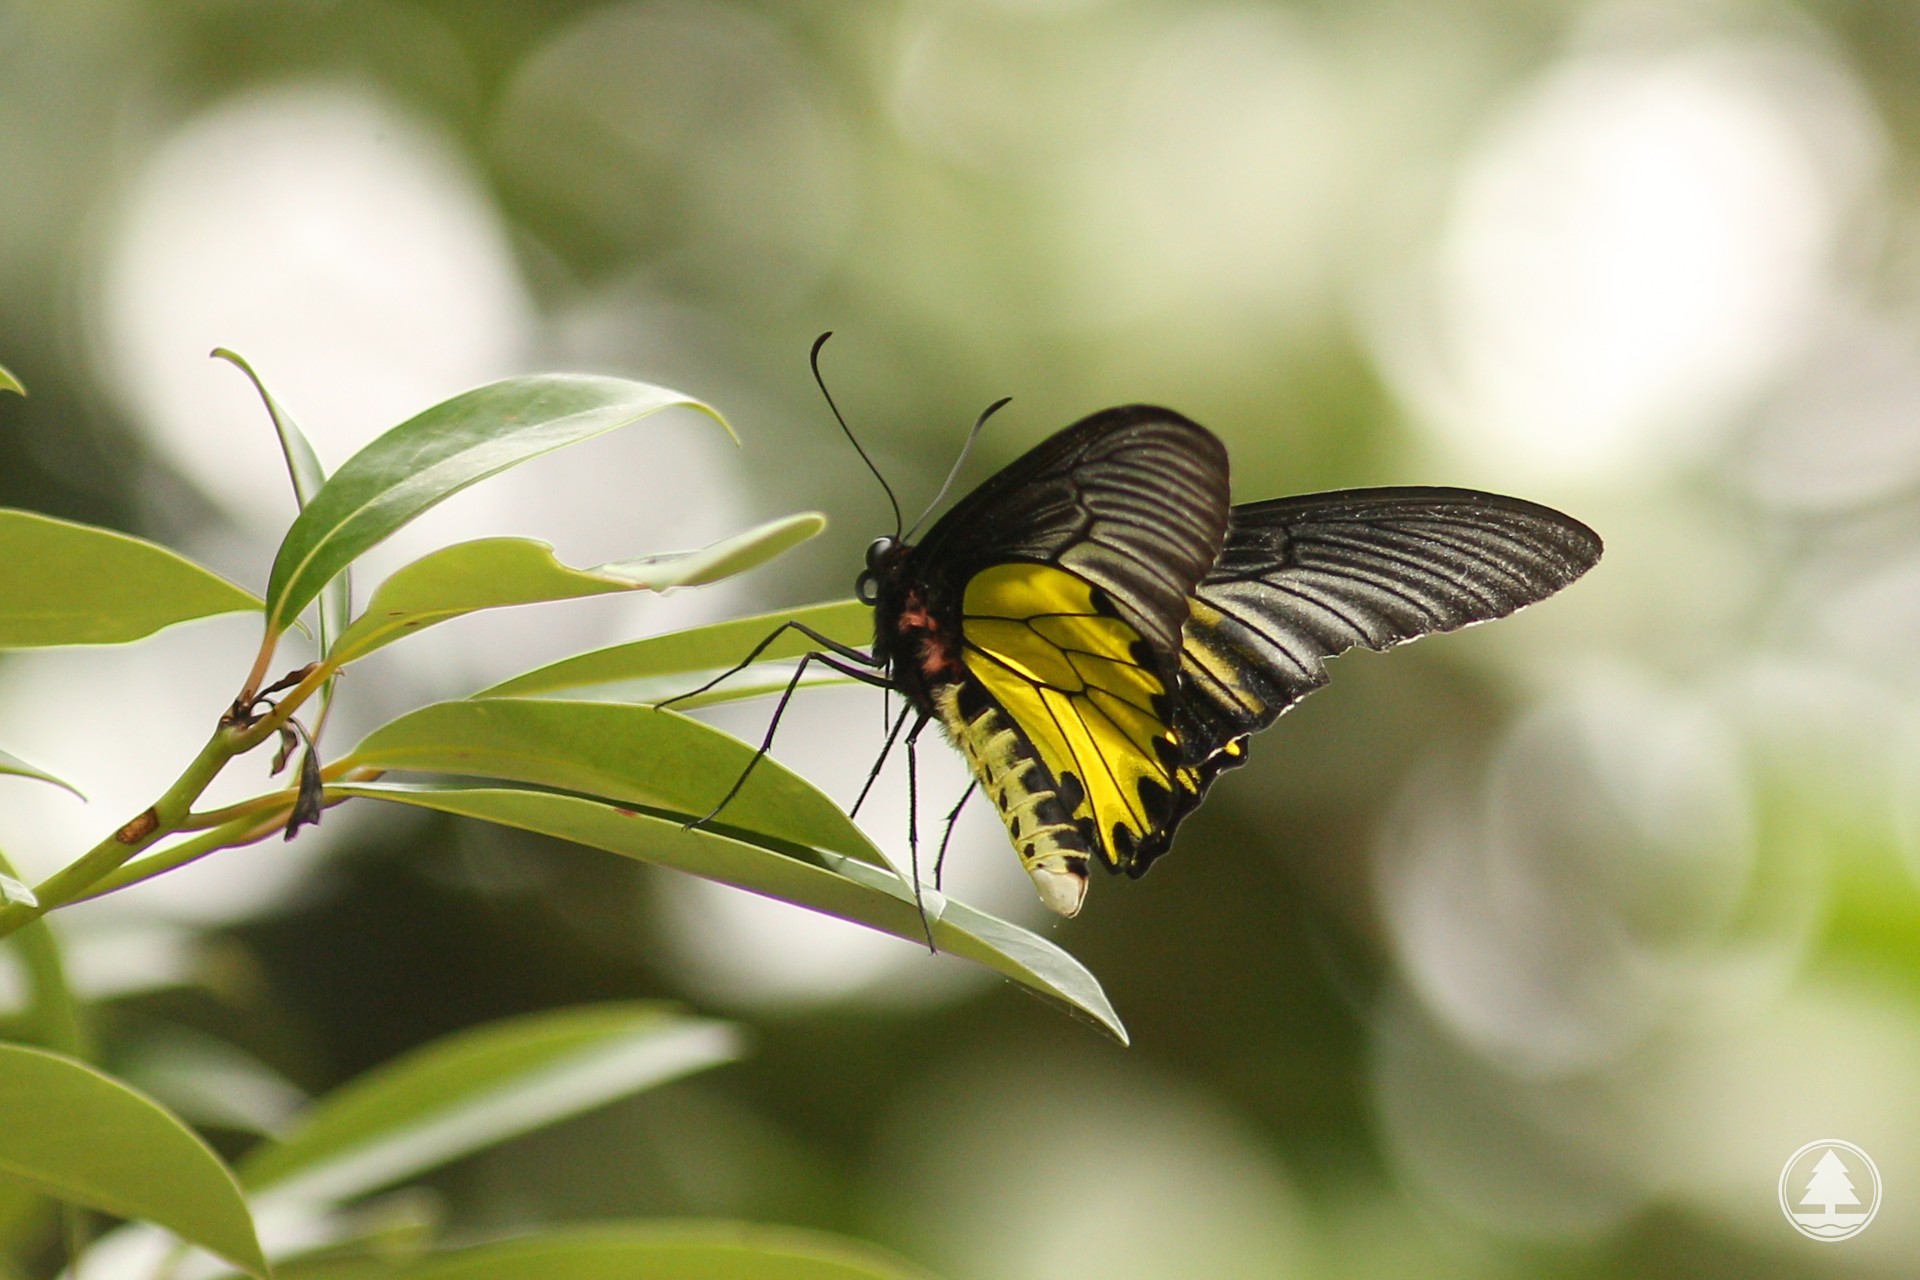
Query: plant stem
x,y
241,824
244,829
167,814
211,818
266,726
261,661
75,878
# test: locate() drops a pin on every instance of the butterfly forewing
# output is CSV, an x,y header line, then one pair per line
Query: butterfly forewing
x,y
1133,500
1303,579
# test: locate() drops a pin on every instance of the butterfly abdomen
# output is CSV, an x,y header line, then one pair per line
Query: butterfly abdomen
x,y
1051,846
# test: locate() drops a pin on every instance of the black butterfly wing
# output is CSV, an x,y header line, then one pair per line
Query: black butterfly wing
x,y
1133,500
1303,579
1069,575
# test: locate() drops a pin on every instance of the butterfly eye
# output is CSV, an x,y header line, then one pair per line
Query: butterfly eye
x,y
867,587
877,551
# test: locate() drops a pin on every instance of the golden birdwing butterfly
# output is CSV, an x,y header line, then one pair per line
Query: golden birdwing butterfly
x,y
1098,630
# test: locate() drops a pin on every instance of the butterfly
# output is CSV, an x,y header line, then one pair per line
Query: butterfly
x,y
1099,631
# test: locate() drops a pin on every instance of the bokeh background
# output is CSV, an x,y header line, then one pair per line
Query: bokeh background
x,y
1534,950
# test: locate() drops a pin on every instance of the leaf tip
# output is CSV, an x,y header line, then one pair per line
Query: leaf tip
x,y
15,893
237,360
10,383
718,417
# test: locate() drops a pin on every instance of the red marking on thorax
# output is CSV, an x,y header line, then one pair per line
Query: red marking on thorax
x,y
939,658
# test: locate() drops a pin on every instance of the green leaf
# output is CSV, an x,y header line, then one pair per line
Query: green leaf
x,y
81,1136
434,455
640,1251
617,751
724,559
842,887
491,573
303,464
470,1090
308,475
698,650
65,583
19,768
10,383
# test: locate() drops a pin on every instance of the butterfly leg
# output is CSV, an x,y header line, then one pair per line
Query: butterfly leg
x,y
913,826
826,643
873,774
773,725
946,837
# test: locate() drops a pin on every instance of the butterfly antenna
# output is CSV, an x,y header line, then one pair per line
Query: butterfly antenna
x,y
813,358
958,463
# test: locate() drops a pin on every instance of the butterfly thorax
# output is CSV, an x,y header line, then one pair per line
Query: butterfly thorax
x,y
916,633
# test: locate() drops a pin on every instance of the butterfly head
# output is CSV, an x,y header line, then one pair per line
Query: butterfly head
x,y
883,561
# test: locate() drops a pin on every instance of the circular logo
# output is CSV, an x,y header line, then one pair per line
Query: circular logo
x,y
1829,1190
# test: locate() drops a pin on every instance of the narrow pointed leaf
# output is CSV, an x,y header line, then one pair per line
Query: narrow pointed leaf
x,y
476,1088
845,888
14,765
303,464
638,1251
617,751
723,559
492,573
308,475
81,1136
65,583
10,383
434,455
696,651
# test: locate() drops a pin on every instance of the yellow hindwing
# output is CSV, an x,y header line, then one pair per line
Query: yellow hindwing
x,y
1081,686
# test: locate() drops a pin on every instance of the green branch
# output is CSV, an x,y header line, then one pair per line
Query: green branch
x,y
99,869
